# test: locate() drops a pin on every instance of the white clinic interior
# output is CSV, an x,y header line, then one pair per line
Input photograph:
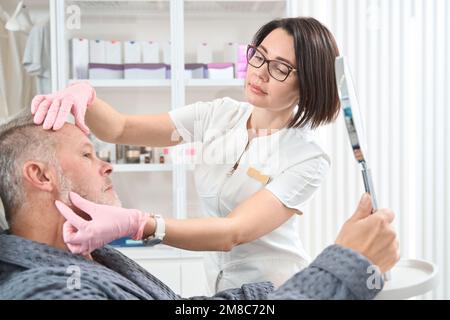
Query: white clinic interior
x,y
398,53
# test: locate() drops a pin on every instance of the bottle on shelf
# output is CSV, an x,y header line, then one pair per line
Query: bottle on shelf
x,y
204,53
167,155
120,154
80,58
146,155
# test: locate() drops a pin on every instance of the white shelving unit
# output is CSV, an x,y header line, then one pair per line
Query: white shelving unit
x,y
142,167
184,23
167,167
125,83
150,83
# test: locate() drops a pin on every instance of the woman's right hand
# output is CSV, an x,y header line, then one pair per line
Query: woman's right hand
x,y
53,109
107,223
372,235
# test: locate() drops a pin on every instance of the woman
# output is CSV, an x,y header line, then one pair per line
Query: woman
x,y
253,199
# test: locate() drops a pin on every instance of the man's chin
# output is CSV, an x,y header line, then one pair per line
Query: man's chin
x,y
110,200
113,198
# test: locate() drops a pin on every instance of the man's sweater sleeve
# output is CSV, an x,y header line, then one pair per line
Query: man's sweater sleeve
x,y
337,273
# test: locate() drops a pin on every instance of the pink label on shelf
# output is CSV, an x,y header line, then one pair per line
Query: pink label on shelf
x,y
241,66
190,152
241,75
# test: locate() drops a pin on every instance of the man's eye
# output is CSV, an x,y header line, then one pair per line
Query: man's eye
x,y
87,155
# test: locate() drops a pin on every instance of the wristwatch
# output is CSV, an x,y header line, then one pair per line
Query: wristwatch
x,y
160,232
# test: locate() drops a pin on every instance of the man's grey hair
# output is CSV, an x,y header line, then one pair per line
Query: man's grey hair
x,y
20,141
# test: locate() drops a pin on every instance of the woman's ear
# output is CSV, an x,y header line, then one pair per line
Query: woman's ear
x,y
39,175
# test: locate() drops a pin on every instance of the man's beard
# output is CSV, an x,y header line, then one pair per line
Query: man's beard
x,y
98,196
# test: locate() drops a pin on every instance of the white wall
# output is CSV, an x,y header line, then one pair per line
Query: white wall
x,y
398,52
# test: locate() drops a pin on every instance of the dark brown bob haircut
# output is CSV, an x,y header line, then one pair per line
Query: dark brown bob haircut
x,y
315,53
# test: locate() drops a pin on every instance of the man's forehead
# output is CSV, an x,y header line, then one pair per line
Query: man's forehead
x,y
71,136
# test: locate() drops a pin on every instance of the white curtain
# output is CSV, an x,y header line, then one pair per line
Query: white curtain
x,y
399,55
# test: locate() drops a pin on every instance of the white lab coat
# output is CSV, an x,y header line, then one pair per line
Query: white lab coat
x,y
295,165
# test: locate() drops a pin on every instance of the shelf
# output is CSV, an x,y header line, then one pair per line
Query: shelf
x,y
166,167
142,167
236,8
123,7
214,83
191,6
128,83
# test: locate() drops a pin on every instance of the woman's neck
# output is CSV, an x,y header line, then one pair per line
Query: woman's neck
x,y
266,122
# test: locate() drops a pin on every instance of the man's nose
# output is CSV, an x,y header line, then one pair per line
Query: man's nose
x,y
107,168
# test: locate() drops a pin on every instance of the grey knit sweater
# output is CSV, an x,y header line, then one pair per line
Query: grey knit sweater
x,y
31,270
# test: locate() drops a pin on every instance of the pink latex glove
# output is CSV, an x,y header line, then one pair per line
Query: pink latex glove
x,y
108,223
53,109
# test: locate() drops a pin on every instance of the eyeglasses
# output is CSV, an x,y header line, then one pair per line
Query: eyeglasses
x,y
277,69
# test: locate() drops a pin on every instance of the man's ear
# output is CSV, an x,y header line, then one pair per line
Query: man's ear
x,y
39,175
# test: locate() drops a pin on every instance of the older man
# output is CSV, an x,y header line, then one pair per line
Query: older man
x,y
38,167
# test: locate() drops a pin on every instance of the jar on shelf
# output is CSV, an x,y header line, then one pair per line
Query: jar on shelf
x,y
133,154
104,155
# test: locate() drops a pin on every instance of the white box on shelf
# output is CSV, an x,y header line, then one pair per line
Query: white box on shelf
x,y
166,47
204,53
167,153
194,70
145,71
150,52
97,51
105,71
113,52
132,52
80,58
220,71
230,52
168,71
